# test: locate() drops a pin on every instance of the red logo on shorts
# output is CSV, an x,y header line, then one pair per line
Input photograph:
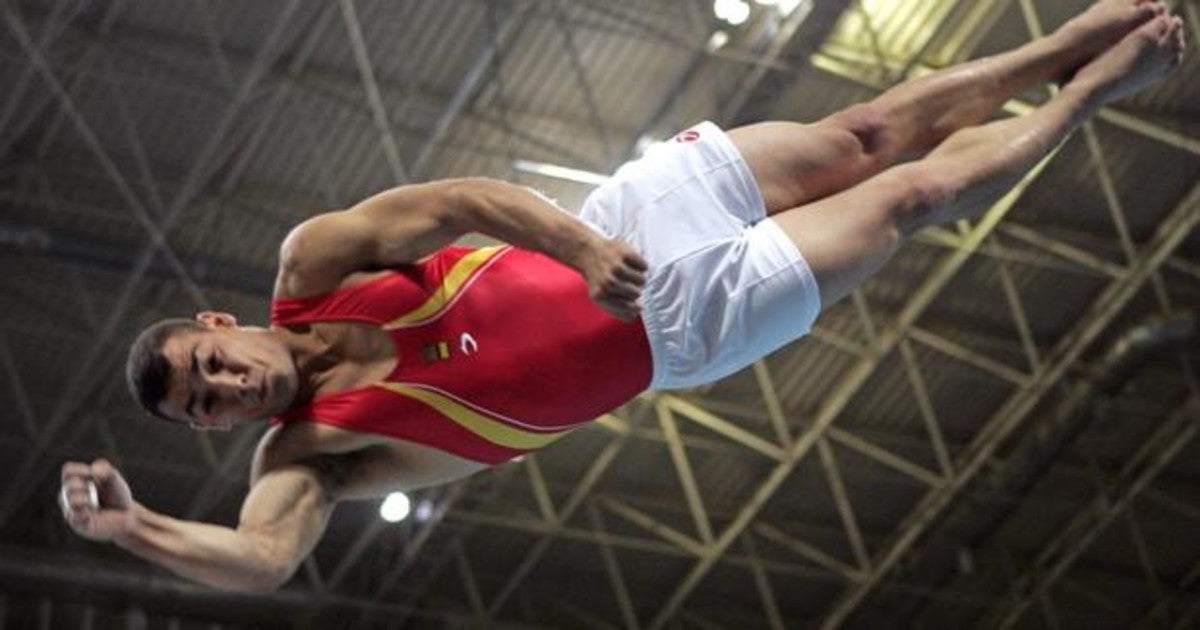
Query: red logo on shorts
x,y
691,135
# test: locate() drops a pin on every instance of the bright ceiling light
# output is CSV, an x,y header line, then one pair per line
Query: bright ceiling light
x,y
424,510
787,6
560,172
395,507
717,41
733,11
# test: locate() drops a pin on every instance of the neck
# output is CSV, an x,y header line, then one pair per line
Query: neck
x,y
313,356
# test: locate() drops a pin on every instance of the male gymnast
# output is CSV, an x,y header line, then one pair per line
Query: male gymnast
x,y
396,361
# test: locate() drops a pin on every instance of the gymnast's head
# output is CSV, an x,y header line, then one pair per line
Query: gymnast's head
x,y
210,373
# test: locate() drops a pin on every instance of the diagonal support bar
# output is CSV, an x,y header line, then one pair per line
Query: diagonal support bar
x,y
1155,454
1103,310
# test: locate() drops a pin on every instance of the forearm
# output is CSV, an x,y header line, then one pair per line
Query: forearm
x,y
215,555
524,218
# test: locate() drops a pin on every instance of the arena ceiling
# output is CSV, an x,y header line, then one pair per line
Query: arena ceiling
x,y
998,431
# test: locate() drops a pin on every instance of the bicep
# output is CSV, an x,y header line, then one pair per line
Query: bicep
x,y
288,509
394,227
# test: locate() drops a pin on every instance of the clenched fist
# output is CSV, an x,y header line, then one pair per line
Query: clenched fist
x,y
615,274
95,500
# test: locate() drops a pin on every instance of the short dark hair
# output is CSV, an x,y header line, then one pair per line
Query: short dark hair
x,y
147,371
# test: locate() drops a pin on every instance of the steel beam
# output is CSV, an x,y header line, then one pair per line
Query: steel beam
x,y
948,240
933,428
567,30
466,89
787,30
683,469
1116,209
1013,412
770,396
87,375
613,569
541,493
1062,250
53,28
654,526
1015,308
885,457
282,88
107,165
20,396
49,32
470,585
980,362
413,549
1184,590
1143,554
576,500
366,72
1056,557
333,88
763,584
720,425
212,38
841,499
808,552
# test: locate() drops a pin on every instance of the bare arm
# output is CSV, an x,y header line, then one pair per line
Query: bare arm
x,y
404,224
282,518
291,498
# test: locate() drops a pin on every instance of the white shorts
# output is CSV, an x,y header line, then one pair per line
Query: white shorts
x,y
725,287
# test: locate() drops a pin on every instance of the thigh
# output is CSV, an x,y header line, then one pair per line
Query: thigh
x,y
845,238
795,164
723,307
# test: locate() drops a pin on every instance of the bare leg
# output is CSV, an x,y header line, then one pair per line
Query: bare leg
x,y
846,237
796,164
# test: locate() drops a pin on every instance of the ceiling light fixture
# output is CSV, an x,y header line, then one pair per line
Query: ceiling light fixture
x,y
733,11
560,172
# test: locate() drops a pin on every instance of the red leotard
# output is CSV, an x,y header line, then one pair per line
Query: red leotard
x,y
500,351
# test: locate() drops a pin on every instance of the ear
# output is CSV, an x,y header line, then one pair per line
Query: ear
x,y
216,319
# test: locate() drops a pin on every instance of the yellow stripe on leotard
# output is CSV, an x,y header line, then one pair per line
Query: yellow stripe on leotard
x,y
472,420
452,284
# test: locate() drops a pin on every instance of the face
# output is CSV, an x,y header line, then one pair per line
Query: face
x,y
227,375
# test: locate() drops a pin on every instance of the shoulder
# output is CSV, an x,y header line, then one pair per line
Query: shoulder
x,y
317,254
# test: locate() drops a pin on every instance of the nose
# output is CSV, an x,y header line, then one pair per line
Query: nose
x,y
231,385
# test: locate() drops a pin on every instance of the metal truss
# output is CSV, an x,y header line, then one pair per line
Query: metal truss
x,y
87,375
1156,453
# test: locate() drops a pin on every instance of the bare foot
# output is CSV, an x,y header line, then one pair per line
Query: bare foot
x,y
1104,24
1142,58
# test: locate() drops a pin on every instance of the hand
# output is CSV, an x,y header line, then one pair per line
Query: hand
x,y
615,274
95,500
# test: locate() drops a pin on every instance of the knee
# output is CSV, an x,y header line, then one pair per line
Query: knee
x,y
920,196
865,126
